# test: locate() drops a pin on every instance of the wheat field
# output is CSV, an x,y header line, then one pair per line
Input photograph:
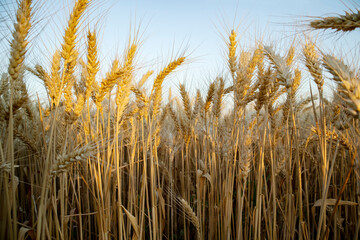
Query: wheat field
x,y
106,157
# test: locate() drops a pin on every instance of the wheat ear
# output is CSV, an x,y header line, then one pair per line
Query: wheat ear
x,y
312,63
64,161
344,23
191,215
232,53
283,70
108,82
348,81
156,91
92,66
209,97
19,44
69,53
186,101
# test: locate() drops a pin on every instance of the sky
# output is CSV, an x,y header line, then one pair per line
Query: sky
x,y
197,28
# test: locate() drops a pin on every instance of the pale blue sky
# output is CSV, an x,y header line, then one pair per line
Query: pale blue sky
x,y
197,26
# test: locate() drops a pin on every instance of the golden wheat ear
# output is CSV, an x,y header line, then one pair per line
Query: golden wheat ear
x,y
69,52
156,91
313,64
93,63
19,44
186,101
232,45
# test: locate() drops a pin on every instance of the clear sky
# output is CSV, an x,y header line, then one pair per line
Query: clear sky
x,y
197,26
200,26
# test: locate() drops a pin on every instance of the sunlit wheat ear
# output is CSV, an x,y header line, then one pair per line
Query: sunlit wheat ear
x,y
140,96
186,101
55,79
51,83
349,83
130,57
156,91
174,117
198,105
296,81
338,69
255,59
209,97
283,70
64,161
19,43
69,53
79,105
93,63
342,23
312,62
117,72
165,72
333,136
264,92
144,78
44,76
290,56
232,52
108,82
124,85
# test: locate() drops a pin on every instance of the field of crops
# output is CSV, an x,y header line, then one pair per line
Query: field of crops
x,y
105,156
